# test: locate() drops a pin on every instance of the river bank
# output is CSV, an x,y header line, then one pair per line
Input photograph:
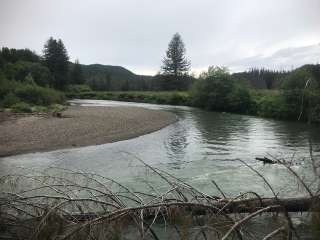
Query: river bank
x,y
78,126
269,104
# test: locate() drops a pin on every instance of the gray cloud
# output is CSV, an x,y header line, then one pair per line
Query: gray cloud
x,y
283,59
135,33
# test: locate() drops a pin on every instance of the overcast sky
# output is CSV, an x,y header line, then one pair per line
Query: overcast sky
x,y
240,34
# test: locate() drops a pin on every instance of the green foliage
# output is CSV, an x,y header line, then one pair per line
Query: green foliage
x,y
271,107
296,80
301,90
56,59
14,92
7,87
215,90
172,83
21,107
20,70
57,107
16,71
12,55
115,78
9,100
171,98
76,74
78,88
261,78
34,94
240,101
175,63
179,99
215,72
314,106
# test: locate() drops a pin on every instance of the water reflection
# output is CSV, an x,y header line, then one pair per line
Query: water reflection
x,y
181,139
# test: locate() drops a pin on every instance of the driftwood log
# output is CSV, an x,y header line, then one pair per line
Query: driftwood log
x,y
266,160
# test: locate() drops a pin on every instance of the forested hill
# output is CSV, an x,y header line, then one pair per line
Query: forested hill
x,y
114,78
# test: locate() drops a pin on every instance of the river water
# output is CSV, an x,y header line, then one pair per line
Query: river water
x,y
201,146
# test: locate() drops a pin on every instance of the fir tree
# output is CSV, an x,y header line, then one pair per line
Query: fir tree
x,y
56,59
175,63
77,74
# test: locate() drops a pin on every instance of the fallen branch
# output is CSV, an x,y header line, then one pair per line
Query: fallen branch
x,y
266,160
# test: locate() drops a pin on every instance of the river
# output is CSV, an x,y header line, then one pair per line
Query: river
x,y
201,146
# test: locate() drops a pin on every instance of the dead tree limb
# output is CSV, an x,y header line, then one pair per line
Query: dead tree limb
x,y
266,160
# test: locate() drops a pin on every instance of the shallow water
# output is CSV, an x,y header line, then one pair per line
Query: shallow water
x,y
200,147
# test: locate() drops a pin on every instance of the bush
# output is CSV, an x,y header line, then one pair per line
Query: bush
x,y
301,91
7,86
216,90
20,70
239,100
9,100
21,107
78,88
38,95
271,107
12,91
178,99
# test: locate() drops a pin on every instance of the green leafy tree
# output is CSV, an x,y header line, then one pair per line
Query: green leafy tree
x,y
211,90
175,63
56,59
77,74
215,90
301,92
20,70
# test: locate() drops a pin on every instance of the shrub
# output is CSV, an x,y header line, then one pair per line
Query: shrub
x,y
216,90
239,100
20,70
78,88
21,107
9,100
301,93
7,86
38,95
178,99
273,106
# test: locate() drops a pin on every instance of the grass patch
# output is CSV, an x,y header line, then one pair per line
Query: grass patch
x,y
163,97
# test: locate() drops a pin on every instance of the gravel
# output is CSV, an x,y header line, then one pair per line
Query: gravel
x,y
78,126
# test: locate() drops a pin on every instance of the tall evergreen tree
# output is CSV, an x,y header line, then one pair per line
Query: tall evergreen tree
x,y
77,74
56,59
175,63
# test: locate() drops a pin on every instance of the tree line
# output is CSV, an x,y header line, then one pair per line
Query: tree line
x,y
29,80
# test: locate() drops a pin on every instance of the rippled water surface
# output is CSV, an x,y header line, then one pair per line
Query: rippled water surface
x,y
200,147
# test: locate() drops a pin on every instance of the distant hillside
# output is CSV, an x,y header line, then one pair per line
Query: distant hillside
x,y
113,78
